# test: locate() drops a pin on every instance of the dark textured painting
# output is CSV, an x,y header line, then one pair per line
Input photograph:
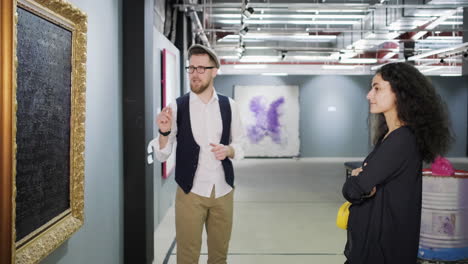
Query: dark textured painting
x,y
44,52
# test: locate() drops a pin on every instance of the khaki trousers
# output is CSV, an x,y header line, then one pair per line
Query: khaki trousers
x,y
191,213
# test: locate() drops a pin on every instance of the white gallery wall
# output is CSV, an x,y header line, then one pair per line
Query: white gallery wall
x,y
334,110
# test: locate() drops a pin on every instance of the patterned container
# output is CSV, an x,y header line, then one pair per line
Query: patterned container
x,y
444,217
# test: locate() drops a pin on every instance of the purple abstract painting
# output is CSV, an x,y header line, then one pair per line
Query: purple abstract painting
x,y
270,115
266,119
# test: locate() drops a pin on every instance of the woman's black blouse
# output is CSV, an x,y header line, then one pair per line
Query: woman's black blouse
x,y
384,229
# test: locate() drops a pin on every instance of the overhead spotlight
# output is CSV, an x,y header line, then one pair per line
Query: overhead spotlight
x,y
239,55
248,11
283,54
240,51
244,30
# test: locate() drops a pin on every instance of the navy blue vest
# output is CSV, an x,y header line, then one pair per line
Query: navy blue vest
x,y
187,151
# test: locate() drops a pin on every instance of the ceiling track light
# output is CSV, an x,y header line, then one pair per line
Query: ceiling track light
x,y
244,29
240,54
283,54
248,11
240,51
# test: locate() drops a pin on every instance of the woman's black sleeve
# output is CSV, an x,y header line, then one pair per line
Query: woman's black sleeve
x,y
384,164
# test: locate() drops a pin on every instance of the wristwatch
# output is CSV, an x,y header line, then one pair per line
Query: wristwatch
x,y
164,133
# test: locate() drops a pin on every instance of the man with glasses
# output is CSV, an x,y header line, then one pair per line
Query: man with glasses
x,y
208,131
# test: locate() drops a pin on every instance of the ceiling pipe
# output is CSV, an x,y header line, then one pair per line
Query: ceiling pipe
x,y
199,30
442,52
302,6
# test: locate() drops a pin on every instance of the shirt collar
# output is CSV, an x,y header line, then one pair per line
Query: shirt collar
x,y
194,97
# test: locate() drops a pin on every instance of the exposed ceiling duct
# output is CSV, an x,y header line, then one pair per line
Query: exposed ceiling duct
x,y
364,33
190,8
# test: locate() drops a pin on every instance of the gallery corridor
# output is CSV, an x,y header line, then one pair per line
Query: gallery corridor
x,y
284,212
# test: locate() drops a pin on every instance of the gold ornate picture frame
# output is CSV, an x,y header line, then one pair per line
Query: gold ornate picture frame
x,y
42,126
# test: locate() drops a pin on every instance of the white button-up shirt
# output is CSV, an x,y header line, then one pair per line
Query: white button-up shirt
x,y
207,127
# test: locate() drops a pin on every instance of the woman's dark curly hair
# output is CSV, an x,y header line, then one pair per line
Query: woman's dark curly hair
x,y
419,107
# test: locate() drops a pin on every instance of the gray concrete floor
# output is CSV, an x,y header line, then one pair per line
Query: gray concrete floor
x,y
284,212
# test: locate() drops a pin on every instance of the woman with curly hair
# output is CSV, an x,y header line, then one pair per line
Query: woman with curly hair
x,y
412,126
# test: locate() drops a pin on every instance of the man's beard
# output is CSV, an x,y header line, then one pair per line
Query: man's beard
x,y
200,88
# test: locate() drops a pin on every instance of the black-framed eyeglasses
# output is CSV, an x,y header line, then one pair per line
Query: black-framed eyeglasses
x,y
200,69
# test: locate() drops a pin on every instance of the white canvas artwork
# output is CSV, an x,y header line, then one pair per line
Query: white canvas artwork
x,y
171,91
270,115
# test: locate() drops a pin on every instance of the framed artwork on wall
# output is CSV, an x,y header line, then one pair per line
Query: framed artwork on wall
x,y
169,92
270,115
42,126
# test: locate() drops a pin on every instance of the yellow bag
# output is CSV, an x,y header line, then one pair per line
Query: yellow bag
x,y
343,214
